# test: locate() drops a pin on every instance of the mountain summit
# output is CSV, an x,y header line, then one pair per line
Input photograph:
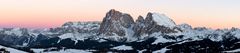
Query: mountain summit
x,y
116,25
120,26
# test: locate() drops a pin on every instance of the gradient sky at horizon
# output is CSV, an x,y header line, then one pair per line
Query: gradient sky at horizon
x,y
53,13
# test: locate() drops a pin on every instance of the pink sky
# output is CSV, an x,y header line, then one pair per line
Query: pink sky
x,y
53,13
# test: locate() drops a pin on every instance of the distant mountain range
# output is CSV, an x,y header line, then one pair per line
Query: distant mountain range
x,y
118,32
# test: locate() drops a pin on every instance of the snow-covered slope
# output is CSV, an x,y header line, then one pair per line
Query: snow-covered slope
x,y
162,19
11,50
123,47
232,51
16,36
76,36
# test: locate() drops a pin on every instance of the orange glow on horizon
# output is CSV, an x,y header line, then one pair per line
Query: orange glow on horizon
x,y
54,13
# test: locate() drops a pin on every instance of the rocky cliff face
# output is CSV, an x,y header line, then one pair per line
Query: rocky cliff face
x,y
115,22
116,25
138,26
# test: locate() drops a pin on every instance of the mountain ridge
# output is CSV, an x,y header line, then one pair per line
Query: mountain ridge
x,y
156,32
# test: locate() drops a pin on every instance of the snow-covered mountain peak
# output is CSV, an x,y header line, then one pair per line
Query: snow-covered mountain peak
x,y
15,31
162,19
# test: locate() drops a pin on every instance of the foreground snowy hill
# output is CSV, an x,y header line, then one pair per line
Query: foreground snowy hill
x,y
10,50
118,32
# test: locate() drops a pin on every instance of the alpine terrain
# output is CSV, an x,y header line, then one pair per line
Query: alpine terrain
x,y
120,33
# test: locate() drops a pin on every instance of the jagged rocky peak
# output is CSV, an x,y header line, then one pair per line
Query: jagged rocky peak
x,y
116,23
140,19
118,16
139,24
149,19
